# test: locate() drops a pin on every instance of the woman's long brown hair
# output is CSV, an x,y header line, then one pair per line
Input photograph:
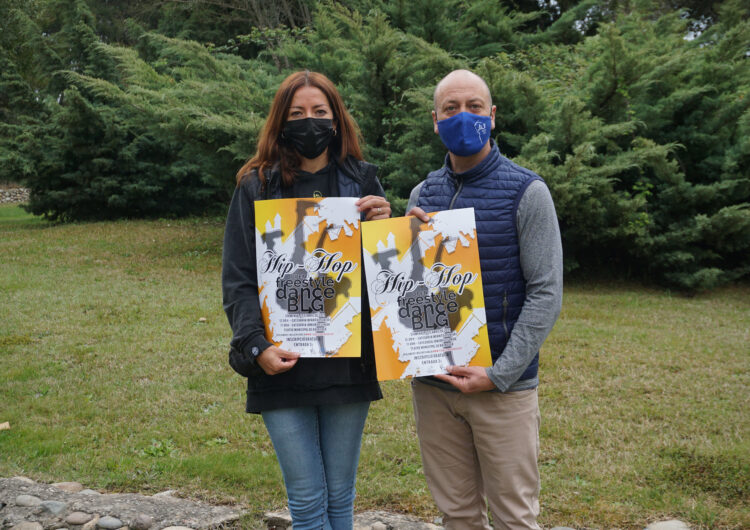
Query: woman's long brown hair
x,y
270,150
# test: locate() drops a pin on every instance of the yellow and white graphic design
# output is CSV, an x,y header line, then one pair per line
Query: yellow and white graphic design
x,y
425,291
308,254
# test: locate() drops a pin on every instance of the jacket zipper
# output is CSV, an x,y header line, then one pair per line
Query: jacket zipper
x,y
455,195
505,314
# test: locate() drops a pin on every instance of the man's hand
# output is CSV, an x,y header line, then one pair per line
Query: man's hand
x,y
274,360
468,379
419,212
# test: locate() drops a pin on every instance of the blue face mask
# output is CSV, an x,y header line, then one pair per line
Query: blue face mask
x,y
465,133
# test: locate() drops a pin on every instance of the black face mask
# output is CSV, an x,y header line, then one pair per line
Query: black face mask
x,y
309,136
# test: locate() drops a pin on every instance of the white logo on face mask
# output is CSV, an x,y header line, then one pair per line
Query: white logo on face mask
x,y
481,129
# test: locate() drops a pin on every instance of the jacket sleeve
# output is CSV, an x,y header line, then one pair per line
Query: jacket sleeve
x,y
414,196
371,184
377,188
541,262
239,279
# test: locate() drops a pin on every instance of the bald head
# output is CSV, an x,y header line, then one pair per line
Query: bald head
x,y
463,81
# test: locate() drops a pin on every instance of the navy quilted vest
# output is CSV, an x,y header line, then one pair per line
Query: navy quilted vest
x,y
493,188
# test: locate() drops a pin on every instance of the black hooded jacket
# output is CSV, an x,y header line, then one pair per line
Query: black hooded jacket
x,y
311,381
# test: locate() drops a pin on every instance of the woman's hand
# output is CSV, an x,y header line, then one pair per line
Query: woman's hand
x,y
375,207
273,360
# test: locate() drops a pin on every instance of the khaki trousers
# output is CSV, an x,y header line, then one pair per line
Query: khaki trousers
x,y
477,446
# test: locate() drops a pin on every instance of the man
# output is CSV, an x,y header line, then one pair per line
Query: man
x,y
479,427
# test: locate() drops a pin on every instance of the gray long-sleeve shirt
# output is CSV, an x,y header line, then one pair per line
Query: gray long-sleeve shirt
x,y
541,263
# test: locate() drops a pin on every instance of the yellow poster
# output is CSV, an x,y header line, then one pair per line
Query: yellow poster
x,y
309,275
425,291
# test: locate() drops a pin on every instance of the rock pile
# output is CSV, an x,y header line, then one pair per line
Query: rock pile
x,y
14,195
29,505
373,520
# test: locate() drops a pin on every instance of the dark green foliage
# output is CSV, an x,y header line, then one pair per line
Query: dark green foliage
x,y
642,135
691,95
105,169
386,77
131,139
151,144
22,118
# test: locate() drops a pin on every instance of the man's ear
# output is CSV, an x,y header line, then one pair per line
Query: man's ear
x,y
492,115
434,121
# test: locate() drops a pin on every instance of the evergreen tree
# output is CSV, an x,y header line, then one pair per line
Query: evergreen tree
x,y
145,141
691,94
386,78
23,124
639,125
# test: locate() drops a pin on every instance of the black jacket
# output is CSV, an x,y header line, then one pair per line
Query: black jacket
x,y
311,381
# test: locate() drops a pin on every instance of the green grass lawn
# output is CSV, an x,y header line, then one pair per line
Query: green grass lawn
x,y
113,373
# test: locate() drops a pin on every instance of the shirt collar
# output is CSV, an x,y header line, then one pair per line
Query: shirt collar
x,y
482,168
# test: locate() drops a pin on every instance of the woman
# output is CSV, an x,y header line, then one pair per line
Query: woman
x,y
314,409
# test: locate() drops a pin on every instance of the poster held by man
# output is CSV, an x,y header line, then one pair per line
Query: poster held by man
x,y
425,292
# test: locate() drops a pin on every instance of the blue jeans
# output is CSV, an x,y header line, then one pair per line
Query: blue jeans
x,y
318,451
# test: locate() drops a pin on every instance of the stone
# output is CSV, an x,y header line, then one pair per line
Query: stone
x,y
70,487
178,528
24,479
387,520
167,493
54,507
164,510
78,518
672,524
142,522
89,492
279,520
27,526
13,195
91,525
109,523
28,500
